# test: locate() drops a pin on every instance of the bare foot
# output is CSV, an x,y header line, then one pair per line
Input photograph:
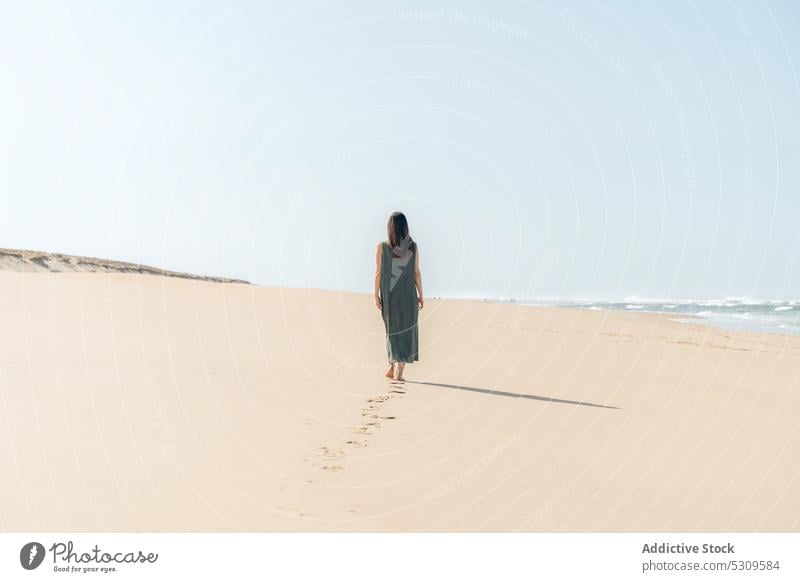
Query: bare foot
x,y
399,375
390,371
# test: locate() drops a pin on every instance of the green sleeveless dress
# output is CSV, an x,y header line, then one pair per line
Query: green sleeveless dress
x,y
399,306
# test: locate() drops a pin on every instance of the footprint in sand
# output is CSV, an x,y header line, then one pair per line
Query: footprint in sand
x,y
331,453
366,429
356,443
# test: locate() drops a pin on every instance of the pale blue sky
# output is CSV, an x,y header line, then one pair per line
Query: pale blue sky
x,y
599,150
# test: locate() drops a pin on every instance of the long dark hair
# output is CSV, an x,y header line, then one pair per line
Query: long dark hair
x,y
397,230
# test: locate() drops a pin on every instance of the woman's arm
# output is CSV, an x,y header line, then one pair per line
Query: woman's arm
x,y
418,278
378,276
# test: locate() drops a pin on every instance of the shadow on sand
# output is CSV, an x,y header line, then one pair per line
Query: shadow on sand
x,y
513,394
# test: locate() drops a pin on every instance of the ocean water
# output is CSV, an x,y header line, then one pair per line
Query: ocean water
x,y
740,314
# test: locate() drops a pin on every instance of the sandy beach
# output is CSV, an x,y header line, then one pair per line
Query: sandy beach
x,y
137,402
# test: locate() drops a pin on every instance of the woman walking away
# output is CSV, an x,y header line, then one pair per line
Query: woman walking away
x,y
398,294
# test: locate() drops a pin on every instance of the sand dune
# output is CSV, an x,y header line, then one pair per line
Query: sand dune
x,y
27,261
171,404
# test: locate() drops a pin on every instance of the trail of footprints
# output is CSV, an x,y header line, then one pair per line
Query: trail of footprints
x,y
332,457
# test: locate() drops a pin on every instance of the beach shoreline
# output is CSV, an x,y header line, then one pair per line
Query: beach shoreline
x,y
744,316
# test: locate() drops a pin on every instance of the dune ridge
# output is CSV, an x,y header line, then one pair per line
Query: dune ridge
x,y
30,261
